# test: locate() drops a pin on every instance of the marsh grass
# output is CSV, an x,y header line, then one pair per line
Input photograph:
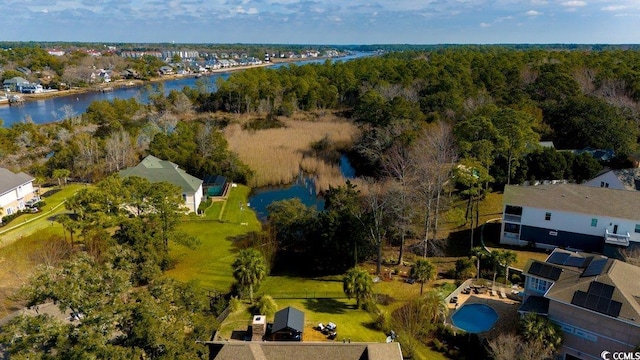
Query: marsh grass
x,y
278,155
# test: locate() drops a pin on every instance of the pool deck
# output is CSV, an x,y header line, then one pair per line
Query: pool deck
x,y
507,309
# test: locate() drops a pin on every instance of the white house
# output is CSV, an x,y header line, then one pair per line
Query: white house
x,y
156,170
15,190
570,216
622,179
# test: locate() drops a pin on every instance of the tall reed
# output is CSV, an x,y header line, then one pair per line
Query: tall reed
x,y
278,155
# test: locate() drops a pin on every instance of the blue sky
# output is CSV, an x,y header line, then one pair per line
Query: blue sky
x,y
323,22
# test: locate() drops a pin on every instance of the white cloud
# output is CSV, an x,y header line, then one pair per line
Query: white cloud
x,y
614,8
533,13
485,25
574,3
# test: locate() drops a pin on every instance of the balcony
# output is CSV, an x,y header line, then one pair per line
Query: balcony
x,y
616,239
512,218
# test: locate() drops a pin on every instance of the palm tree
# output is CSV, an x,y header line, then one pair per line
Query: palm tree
x,y
538,328
358,284
503,258
436,306
249,269
422,271
479,253
508,257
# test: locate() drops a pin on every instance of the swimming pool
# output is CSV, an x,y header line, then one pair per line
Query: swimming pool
x,y
475,318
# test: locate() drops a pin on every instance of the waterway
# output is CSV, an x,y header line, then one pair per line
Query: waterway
x,y
303,188
51,109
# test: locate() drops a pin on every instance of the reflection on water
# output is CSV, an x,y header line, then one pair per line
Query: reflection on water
x,y
303,188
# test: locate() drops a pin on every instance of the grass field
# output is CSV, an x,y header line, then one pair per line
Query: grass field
x,y
28,224
210,262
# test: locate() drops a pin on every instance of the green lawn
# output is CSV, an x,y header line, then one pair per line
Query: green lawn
x,y
210,262
28,224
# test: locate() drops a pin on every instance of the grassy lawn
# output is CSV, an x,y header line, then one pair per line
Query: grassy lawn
x,y
17,264
210,262
28,224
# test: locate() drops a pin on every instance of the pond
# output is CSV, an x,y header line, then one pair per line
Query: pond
x,y
303,188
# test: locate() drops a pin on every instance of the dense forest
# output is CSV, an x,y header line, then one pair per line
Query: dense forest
x,y
433,128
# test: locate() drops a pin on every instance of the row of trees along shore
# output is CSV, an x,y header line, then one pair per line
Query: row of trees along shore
x,y
435,126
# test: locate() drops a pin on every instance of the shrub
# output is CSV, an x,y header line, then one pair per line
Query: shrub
x,y
235,303
266,306
382,321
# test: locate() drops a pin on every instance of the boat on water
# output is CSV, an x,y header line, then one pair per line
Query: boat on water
x,y
15,99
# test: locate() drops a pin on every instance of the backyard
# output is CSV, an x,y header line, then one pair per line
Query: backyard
x,y
17,258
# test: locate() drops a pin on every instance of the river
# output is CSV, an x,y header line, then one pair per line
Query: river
x,y
50,110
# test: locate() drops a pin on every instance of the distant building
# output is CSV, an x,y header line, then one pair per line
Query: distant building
x,y
14,83
570,216
621,179
156,170
15,191
598,154
592,298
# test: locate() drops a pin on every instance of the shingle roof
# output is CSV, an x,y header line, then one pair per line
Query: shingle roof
x,y
576,199
630,178
308,351
10,181
156,170
623,277
288,317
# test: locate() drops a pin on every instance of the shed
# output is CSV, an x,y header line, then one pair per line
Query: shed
x,y
288,325
214,185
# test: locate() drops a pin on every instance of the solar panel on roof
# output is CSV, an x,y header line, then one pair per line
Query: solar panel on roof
x,y
597,303
600,289
614,308
535,268
575,261
579,298
546,271
595,268
603,305
558,258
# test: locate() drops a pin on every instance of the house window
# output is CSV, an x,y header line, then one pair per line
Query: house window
x,y
637,228
594,222
513,210
539,285
547,216
9,211
512,228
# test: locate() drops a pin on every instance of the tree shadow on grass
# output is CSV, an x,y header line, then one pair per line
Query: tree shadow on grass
x,y
329,306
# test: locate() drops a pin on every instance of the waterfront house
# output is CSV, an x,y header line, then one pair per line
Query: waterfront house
x,y
596,219
14,83
15,191
30,88
166,70
157,170
594,300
